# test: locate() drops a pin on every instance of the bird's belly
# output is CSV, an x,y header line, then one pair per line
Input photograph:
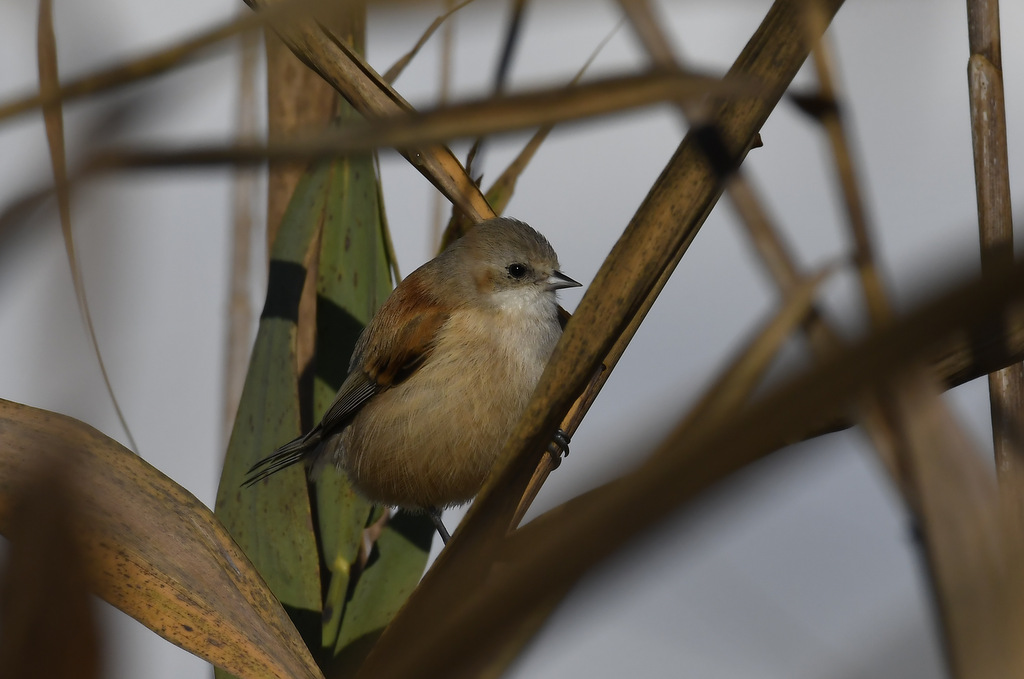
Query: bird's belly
x,y
432,440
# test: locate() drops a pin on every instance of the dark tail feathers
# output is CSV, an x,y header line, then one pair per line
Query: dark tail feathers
x,y
290,453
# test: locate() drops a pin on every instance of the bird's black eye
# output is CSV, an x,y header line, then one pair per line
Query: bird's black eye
x,y
517,270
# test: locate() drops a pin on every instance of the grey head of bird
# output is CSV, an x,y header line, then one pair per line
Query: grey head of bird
x,y
509,263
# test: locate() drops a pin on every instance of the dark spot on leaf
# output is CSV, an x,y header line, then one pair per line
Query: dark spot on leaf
x,y
187,628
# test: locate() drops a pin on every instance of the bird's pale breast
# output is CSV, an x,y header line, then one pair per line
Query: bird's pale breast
x,y
431,440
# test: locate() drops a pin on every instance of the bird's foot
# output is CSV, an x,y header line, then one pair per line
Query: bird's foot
x,y
559,446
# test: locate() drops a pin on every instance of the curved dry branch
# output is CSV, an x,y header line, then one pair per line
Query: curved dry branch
x,y
152,549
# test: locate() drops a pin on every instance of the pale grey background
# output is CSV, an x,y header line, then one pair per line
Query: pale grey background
x,y
802,567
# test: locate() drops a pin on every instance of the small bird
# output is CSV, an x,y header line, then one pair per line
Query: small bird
x,y
441,374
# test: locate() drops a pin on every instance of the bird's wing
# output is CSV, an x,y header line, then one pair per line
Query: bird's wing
x,y
563,316
396,341
392,346
356,390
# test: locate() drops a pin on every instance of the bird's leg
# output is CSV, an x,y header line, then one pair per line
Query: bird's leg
x,y
435,516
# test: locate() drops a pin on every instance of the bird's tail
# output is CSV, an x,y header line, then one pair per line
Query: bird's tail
x,y
290,453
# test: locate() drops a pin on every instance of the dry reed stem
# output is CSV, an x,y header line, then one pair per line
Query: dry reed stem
x,y
872,363
148,66
722,400
53,117
951,552
973,550
767,242
957,361
475,118
653,243
348,73
933,475
240,311
544,557
835,127
444,87
389,243
396,69
995,225
474,158
298,102
648,29
499,195
875,412
621,294
443,94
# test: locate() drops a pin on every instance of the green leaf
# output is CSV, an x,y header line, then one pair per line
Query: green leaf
x,y
272,520
353,280
394,569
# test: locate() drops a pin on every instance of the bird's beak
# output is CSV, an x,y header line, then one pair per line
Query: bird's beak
x,y
559,280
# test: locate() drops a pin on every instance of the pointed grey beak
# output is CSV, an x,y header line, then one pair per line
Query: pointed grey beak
x,y
559,280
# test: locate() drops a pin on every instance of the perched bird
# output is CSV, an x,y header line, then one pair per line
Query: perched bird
x,y
441,374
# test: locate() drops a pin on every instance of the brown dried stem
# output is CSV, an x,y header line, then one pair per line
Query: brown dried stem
x,y
542,559
148,66
348,73
995,225
612,308
53,118
240,308
835,127
474,118
396,69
